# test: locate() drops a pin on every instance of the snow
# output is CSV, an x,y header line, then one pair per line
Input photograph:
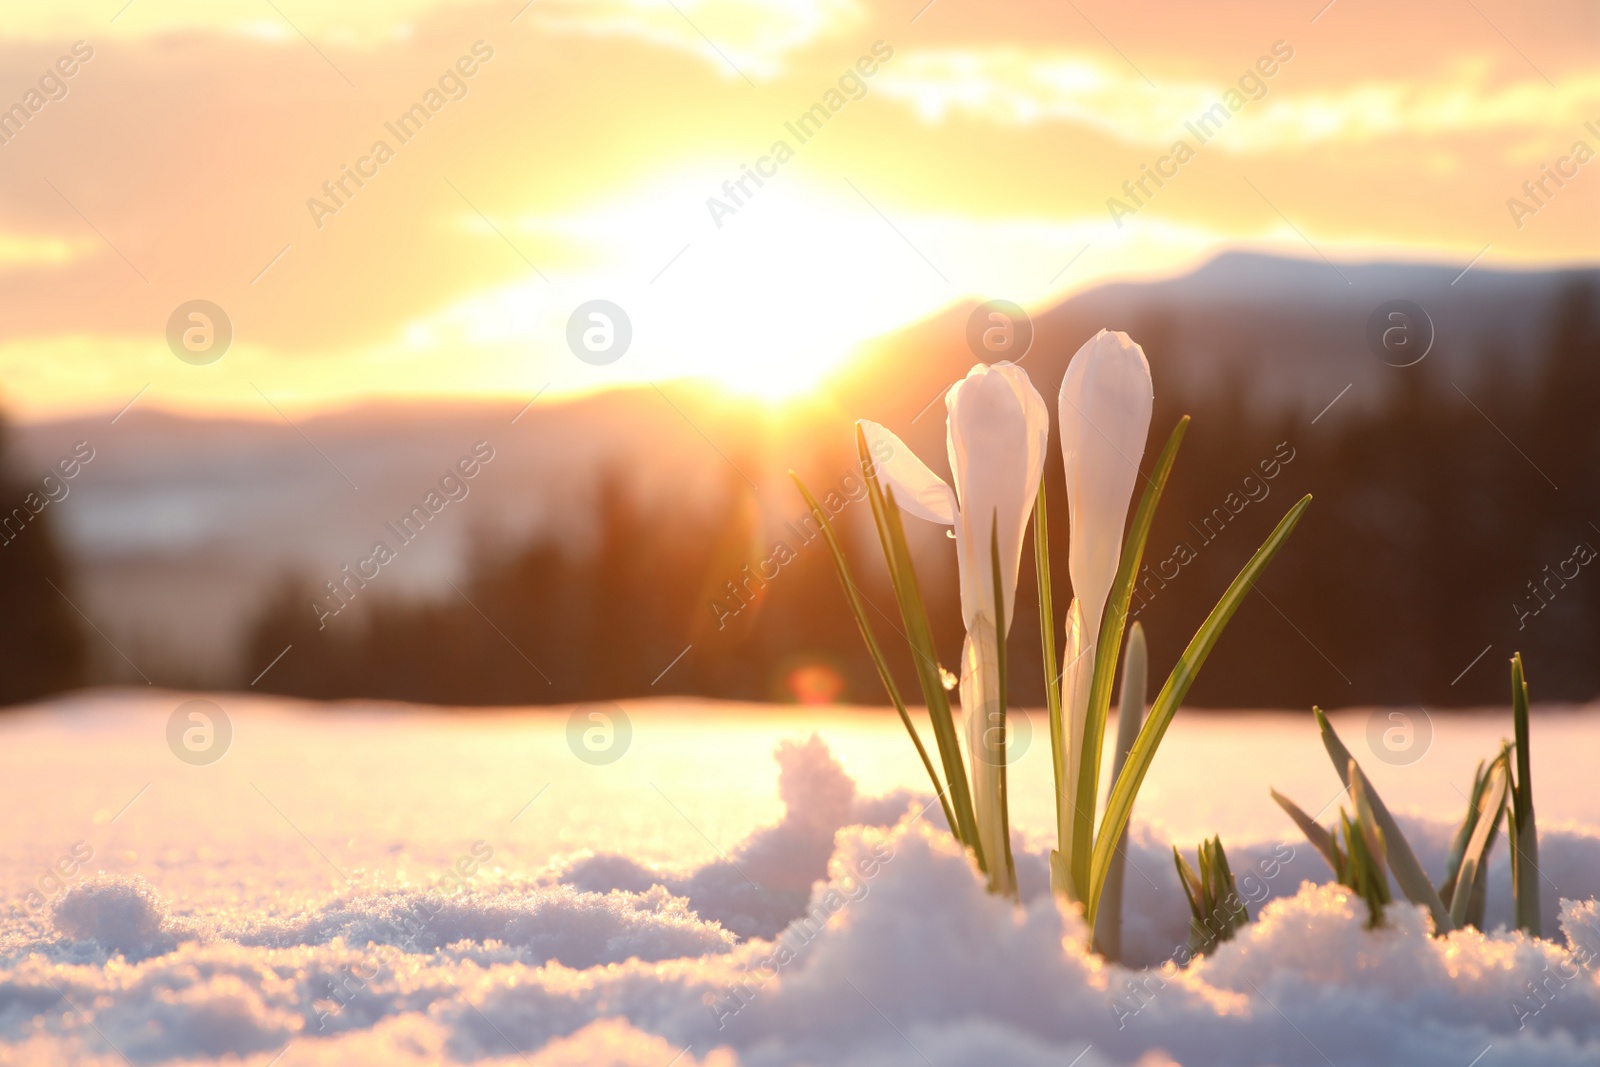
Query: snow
x,y
385,885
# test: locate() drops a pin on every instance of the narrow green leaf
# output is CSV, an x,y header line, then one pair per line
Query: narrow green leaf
x,y
1371,834
1191,883
1478,902
1000,668
854,598
1408,872
1109,644
1215,907
1047,642
1524,833
1458,844
1130,715
1243,914
920,632
1361,870
1120,804
924,655
1130,708
1490,808
1320,839
1226,887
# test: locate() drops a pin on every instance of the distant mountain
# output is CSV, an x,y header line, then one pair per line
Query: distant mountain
x,y
180,526
1287,335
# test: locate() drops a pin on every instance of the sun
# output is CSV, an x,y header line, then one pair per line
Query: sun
x,y
768,304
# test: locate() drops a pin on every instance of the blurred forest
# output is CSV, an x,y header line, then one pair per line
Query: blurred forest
x,y
1433,539
42,639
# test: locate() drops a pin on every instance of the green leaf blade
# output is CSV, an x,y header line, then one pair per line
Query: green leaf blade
x,y
1523,833
1120,805
1490,807
1109,645
1002,766
1047,642
1130,716
1408,871
852,596
919,635
1463,834
1320,839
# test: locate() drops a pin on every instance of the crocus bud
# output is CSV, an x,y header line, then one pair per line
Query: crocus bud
x,y
998,430
1104,413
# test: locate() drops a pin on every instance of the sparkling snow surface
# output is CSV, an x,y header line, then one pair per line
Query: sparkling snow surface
x,y
696,901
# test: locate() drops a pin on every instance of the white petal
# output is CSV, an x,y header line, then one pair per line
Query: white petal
x,y
916,488
1104,414
998,431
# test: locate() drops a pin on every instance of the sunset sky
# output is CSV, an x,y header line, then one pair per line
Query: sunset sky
x,y
577,160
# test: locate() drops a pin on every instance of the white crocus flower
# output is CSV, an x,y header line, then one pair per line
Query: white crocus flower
x,y
1104,416
997,431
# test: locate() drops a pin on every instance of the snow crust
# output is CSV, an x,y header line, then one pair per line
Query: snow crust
x,y
851,932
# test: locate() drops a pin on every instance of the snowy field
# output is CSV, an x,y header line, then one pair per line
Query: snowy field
x,y
396,886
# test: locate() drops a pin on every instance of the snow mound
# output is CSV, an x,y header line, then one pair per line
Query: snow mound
x,y
839,935
120,914
903,957
763,883
532,924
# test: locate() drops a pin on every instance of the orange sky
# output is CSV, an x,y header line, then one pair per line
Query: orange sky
x,y
976,160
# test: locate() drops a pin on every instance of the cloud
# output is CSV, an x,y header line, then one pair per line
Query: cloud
x,y
182,162
754,38
1019,87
